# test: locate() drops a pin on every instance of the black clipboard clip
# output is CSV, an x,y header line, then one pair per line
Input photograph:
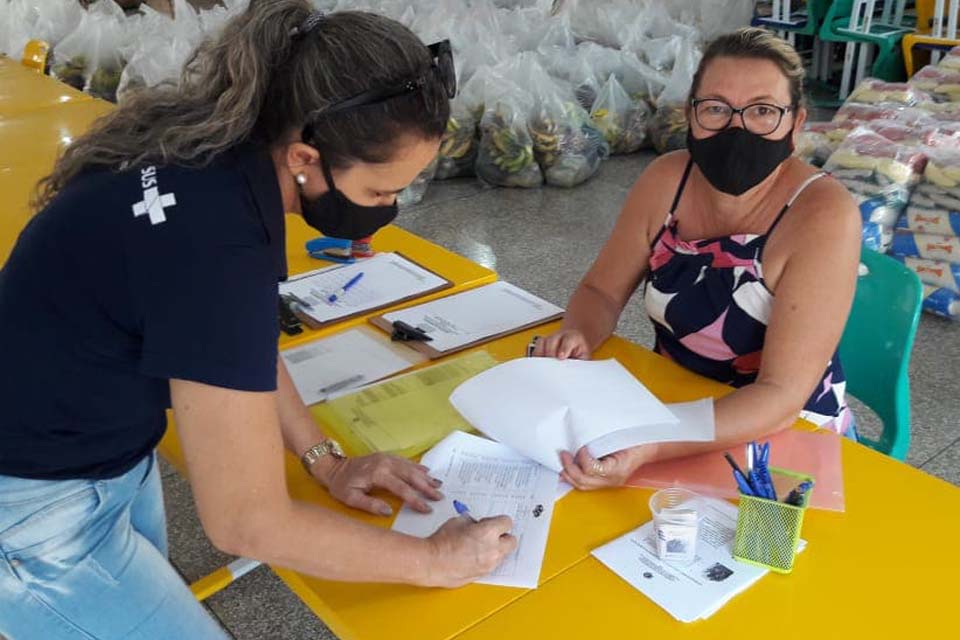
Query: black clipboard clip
x,y
404,332
289,322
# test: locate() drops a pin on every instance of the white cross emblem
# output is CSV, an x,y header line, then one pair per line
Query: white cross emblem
x,y
153,204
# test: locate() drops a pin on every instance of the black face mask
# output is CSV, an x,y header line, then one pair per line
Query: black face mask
x,y
336,216
735,160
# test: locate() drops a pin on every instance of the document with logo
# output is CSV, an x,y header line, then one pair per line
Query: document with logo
x,y
492,480
337,293
692,592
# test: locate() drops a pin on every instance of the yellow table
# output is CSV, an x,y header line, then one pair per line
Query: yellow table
x,y
581,522
23,90
29,145
857,567
884,569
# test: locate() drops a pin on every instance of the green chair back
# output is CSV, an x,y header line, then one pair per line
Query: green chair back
x,y
876,345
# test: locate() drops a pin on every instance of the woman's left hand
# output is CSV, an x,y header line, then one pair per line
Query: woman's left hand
x,y
350,480
586,473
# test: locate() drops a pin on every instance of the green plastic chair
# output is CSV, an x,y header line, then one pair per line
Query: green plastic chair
x,y
876,345
888,63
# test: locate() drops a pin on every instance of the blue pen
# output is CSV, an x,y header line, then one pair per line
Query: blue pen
x,y
741,480
463,510
333,297
765,454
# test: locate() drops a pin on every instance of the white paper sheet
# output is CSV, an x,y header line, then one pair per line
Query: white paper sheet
x,y
467,317
387,278
343,362
695,425
695,591
492,480
542,406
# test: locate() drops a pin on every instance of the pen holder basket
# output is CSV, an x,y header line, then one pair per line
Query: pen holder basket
x,y
768,531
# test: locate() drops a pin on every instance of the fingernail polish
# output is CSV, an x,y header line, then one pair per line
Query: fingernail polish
x,y
386,510
437,482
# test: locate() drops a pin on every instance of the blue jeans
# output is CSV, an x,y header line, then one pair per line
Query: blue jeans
x,y
87,559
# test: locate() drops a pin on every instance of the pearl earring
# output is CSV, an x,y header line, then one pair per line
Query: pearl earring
x,y
301,179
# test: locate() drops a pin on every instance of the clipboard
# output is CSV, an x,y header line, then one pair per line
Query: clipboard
x,y
433,352
347,271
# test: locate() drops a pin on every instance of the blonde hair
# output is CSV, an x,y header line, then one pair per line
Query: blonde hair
x,y
256,81
753,42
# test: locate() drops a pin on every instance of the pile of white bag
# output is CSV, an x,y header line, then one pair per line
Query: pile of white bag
x,y
547,88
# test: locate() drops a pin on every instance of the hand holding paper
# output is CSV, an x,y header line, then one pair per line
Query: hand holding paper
x,y
541,406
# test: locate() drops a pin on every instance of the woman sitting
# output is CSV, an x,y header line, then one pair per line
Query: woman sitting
x,y
750,258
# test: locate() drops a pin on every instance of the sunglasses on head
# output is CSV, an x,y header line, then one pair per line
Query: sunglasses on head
x,y
442,65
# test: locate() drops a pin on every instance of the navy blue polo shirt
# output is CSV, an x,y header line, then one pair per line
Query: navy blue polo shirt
x,y
124,281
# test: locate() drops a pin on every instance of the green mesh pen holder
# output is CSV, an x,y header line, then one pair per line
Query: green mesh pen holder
x,y
768,531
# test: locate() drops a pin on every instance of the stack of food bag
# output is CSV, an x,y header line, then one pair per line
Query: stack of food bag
x,y
873,91
927,233
880,174
942,84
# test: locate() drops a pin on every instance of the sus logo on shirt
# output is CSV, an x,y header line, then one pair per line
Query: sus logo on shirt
x,y
153,202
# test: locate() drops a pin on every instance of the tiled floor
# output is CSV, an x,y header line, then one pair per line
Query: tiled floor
x,y
544,240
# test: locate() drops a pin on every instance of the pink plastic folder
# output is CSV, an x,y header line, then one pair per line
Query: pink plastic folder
x,y
816,453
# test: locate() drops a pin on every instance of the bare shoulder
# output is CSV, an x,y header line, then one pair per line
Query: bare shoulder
x,y
825,208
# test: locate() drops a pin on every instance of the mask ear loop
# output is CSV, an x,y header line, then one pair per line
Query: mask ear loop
x,y
328,175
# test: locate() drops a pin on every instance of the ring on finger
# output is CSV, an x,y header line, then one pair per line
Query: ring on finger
x,y
596,469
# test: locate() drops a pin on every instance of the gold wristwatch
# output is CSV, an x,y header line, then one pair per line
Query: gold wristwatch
x,y
327,446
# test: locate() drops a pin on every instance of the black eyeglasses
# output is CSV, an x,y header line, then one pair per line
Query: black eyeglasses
x,y
760,118
442,65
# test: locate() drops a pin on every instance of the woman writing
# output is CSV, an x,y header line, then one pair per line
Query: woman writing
x,y
169,210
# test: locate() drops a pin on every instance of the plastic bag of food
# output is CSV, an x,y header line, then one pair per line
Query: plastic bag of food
x,y
942,84
622,120
941,302
668,126
934,206
47,20
857,112
606,23
89,57
879,173
818,140
159,54
661,53
458,147
951,61
415,191
926,245
505,157
573,67
877,237
567,145
936,273
873,91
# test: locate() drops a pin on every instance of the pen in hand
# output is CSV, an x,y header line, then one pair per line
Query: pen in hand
x,y
463,510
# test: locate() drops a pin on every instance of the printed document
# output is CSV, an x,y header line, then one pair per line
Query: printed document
x,y
405,415
465,318
387,278
492,480
345,361
542,406
697,590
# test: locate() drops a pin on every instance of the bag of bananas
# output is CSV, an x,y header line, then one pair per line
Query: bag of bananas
x,y
505,156
622,120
